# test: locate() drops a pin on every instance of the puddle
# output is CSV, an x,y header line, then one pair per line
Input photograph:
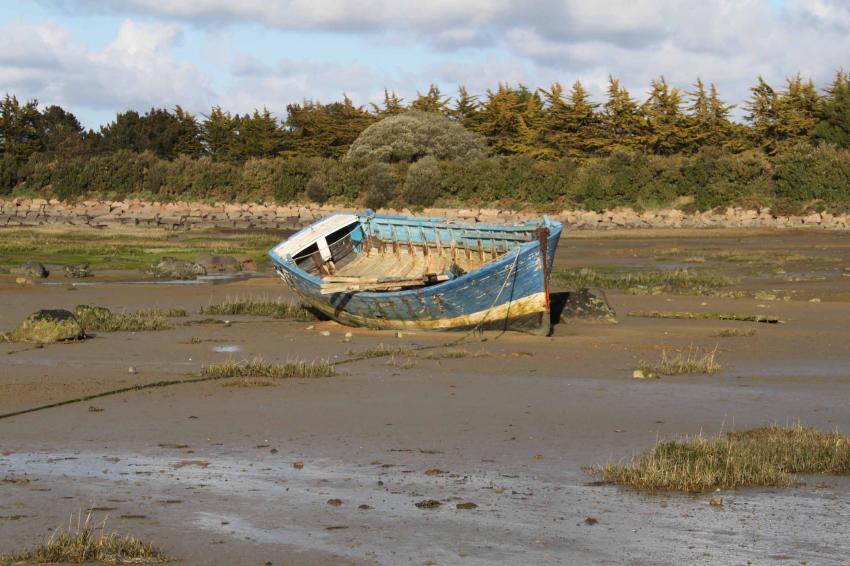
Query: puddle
x,y
226,349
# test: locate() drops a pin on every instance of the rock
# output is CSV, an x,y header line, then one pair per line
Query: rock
x,y
32,269
644,374
364,507
324,333
466,505
428,504
716,501
591,521
78,271
582,304
47,327
173,268
335,502
24,281
298,465
131,370
219,263
248,265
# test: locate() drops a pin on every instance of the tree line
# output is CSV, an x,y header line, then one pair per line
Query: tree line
x,y
790,149
546,123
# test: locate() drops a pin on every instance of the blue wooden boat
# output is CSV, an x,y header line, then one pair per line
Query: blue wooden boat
x,y
411,273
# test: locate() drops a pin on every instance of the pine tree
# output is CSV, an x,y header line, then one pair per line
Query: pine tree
x,y
219,133
709,118
393,105
763,115
259,135
799,106
188,134
433,101
325,130
509,119
61,132
624,127
465,109
571,127
668,125
834,124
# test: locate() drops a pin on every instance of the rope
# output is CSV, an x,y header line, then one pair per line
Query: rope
x,y
169,383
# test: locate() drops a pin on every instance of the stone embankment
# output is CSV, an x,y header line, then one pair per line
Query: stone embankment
x,y
192,215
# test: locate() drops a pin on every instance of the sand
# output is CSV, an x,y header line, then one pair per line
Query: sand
x,y
207,471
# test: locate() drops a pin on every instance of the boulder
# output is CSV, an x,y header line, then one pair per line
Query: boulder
x,y
218,263
48,326
173,268
32,269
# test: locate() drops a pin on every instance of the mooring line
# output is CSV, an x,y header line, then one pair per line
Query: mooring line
x,y
168,383
188,380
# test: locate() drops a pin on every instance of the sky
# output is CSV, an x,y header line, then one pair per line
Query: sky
x,y
99,57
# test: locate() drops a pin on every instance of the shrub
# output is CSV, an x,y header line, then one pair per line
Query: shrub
x,y
8,174
413,135
805,174
423,185
379,185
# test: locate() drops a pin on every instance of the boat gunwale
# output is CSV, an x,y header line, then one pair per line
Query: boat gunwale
x,y
510,256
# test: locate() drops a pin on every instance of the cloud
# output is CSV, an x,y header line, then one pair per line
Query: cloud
x,y
474,42
135,70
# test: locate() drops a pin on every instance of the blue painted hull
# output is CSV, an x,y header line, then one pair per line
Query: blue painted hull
x,y
510,292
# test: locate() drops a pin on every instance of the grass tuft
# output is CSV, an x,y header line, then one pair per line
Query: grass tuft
x,y
761,457
380,351
101,319
644,282
259,306
733,332
689,360
86,542
258,369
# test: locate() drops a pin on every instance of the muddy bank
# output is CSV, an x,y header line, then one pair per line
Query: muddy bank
x,y
219,474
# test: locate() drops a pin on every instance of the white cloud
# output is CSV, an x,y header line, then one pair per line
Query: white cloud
x,y
135,70
728,42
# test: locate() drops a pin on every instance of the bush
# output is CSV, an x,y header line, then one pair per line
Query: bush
x,y
380,185
8,174
413,135
294,174
423,185
806,174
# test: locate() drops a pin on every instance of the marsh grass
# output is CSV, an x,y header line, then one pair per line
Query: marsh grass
x,y
101,319
380,351
257,371
733,332
402,362
125,247
761,457
688,360
85,542
682,281
259,306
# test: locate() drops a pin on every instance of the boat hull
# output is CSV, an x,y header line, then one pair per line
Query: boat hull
x,y
510,293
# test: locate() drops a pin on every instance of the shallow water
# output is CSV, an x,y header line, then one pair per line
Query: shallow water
x,y
267,501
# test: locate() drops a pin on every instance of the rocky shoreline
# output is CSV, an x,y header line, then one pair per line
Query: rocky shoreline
x,y
20,212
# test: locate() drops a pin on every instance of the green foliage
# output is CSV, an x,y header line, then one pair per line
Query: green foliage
x,y
413,135
423,185
380,185
8,174
807,175
834,125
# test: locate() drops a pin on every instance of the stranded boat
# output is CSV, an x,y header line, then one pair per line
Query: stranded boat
x,y
410,273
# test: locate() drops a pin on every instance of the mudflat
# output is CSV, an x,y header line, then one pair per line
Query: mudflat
x,y
493,435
